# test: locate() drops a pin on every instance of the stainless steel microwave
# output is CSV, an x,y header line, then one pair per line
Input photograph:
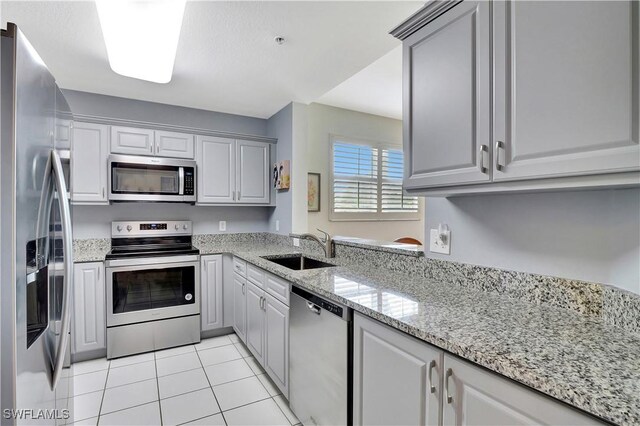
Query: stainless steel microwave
x,y
151,179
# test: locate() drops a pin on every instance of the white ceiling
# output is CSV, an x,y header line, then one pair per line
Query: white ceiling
x,y
227,60
377,89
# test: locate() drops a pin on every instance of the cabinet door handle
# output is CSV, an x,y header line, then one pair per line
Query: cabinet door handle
x,y
98,274
103,192
151,148
446,385
483,149
242,288
432,364
499,147
238,195
233,195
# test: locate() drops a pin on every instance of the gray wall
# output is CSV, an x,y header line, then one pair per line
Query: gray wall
x,y
587,235
280,126
94,221
131,109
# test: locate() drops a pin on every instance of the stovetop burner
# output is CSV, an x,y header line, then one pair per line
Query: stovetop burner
x,y
150,239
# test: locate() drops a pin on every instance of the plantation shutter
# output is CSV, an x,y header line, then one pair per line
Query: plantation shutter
x,y
355,178
393,199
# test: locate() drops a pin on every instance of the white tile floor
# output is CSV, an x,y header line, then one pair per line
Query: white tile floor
x,y
216,382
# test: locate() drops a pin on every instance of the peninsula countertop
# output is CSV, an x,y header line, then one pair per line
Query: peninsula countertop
x,y
571,357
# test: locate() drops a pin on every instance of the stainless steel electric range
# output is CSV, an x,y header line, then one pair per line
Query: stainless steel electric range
x,y
153,287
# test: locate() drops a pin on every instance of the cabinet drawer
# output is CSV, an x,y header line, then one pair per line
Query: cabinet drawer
x,y
255,275
278,288
240,266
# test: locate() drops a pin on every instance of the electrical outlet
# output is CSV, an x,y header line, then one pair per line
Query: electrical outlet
x,y
277,225
440,241
222,225
296,242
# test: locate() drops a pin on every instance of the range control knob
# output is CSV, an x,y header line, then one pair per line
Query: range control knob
x,y
184,226
119,228
177,226
129,228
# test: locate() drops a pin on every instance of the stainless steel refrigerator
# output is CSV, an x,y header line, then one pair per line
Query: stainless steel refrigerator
x,y
36,269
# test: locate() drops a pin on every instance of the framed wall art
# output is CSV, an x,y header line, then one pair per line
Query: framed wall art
x,y
313,192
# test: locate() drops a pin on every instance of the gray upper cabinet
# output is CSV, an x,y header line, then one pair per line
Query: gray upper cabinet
x,y
232,171
447,99
252,173
566,88
512,96
173,144
139,141
89,151
131,141
216,174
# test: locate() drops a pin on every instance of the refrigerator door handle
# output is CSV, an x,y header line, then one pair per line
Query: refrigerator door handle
x,y
44,209
65,216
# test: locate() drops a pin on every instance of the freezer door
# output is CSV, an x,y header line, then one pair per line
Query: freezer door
x,y
28,373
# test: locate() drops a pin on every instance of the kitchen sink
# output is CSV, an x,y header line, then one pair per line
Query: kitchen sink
x,y
298,262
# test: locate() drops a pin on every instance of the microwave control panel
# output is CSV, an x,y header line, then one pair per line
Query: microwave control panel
x,y
189,188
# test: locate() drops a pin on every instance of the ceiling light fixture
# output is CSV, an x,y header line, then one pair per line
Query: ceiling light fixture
x,y
142,36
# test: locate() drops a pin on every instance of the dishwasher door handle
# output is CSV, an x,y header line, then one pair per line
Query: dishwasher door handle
x,y
313,308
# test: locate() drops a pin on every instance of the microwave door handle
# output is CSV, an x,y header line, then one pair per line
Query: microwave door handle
x,y
65,216
181,180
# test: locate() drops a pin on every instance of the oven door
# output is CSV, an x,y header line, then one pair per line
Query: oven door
x,y
147,289
147,179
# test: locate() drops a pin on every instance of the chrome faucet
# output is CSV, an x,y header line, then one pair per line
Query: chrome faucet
x,y
326,243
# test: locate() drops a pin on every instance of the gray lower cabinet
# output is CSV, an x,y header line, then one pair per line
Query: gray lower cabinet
x,y
509,95
393,377
89,318
240,306
276,358
89,152
255,321
400,380
211,306
480,397
266,316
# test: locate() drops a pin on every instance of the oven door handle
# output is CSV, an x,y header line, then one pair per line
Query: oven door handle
x,y
181,180
65,216
160,262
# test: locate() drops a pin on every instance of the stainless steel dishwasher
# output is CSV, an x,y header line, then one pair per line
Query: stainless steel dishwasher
x,y
320,348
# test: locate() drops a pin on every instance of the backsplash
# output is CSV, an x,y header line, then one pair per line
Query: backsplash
x,y
613,306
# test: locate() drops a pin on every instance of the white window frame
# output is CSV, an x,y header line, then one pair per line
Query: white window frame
x,y
379,216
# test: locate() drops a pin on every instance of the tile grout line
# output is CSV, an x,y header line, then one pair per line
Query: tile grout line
x,y
211,387
281,410
104,391
155,365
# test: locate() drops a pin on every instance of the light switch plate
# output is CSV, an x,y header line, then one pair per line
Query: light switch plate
x,y
436,245
296,242
222,225
277,225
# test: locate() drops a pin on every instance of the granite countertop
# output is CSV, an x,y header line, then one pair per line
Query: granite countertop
x,y
568,356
